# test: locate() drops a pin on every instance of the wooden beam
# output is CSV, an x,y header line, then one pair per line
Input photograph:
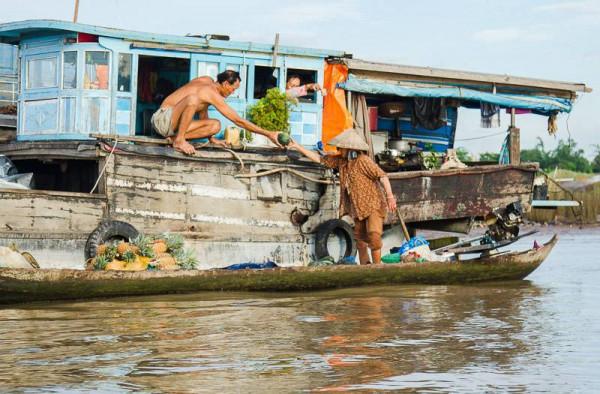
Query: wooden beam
x,y
515,145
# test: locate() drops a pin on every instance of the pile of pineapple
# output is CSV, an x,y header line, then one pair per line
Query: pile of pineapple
x,y
142,253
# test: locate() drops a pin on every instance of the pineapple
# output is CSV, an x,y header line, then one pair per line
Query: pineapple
x,y
186,259
101,249
100,263
174,242
144,246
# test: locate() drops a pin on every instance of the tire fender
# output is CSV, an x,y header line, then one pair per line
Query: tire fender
x,y
108,230
325,229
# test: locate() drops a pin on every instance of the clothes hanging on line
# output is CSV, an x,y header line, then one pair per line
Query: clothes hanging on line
x,y
490,115
429,113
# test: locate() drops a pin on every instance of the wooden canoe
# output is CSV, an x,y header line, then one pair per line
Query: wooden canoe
x,y
18,285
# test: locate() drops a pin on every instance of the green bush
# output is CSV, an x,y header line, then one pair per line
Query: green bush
x,y
272,112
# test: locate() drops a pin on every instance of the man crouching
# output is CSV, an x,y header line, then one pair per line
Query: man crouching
x,y
174,120
366,193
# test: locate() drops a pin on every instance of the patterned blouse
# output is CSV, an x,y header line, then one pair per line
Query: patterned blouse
x,y
361,192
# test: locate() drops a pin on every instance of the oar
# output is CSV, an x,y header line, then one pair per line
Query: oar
x,y
404,229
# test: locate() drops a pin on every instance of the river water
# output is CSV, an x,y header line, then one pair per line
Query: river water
x,y
538,335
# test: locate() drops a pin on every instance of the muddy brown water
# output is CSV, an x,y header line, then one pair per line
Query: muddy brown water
x,y
537,335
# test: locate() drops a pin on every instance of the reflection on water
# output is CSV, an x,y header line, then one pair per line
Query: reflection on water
x,y
538,335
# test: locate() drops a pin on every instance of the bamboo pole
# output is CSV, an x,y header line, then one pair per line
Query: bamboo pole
x,y
76,13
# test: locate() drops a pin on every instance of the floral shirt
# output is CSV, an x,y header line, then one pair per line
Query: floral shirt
x,y
361,192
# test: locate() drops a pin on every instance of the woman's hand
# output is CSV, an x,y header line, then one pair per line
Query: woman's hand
x,y
391,203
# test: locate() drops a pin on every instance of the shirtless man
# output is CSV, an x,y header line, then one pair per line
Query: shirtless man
x,y
174,119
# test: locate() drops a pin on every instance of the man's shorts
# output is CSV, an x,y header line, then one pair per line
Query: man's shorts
x,y
161,121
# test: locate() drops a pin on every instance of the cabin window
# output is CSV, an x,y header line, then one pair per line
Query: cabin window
x,y
64,175
124,78
210,69
305,77
70,70
243,70
96,70
42,73
265,78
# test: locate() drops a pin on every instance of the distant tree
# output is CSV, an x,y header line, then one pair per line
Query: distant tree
x,y
463,154
596,160
568,157
537,155
489,156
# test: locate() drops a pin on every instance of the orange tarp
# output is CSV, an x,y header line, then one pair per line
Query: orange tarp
x,y
336,117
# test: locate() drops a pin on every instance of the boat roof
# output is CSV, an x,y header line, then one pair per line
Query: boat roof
x,y
13,32
445,77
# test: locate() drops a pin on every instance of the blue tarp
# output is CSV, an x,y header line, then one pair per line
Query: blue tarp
x,y
539,104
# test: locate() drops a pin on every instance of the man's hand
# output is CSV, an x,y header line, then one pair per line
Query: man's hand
x,y
272,135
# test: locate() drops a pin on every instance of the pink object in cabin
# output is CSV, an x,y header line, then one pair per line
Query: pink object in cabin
x,y
372,118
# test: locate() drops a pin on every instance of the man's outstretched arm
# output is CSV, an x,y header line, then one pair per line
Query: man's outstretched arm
x,y
233,116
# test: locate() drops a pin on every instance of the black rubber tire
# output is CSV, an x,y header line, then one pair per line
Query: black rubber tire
x,y
325,229
106,231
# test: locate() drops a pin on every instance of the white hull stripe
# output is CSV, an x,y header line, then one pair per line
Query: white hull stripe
x,y
161,187
151,214
240,221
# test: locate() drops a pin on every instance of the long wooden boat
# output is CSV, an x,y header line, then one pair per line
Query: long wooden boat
x,y
18,285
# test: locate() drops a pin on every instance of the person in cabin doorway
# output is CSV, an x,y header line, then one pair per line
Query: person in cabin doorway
x,y
175,121
293,89
366,193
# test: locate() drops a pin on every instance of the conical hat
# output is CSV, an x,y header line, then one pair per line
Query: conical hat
x,y
349,139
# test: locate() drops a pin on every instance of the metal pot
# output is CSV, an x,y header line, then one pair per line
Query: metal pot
x,y
399,145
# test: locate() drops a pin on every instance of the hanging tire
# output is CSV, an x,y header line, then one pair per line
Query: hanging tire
x,y
337,228
108,230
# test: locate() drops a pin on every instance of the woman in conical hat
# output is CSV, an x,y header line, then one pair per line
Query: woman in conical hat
x,y
366,193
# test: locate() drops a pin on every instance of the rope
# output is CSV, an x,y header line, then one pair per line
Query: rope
x,y
105,164
479,138
281,169
242,169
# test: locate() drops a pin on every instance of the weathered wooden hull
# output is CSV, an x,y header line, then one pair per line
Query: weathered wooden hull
x,y
446,195
30,285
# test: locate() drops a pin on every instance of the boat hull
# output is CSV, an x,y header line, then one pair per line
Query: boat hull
x,y
18,285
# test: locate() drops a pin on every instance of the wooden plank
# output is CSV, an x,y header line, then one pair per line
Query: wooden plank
x,y
47,213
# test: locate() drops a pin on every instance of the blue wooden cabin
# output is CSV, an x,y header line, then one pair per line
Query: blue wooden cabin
x,y
77,79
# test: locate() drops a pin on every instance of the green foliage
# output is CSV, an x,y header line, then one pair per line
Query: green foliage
x,y
489,156
101,262
272,112
144,243
185,258
463,154
174,242
596,160
129,256
565,156
111,251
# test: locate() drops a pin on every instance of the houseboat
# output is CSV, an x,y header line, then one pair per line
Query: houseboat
x,y
85,95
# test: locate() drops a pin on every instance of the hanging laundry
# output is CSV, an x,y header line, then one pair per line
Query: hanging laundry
x,y
429,113
553,123
490,115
